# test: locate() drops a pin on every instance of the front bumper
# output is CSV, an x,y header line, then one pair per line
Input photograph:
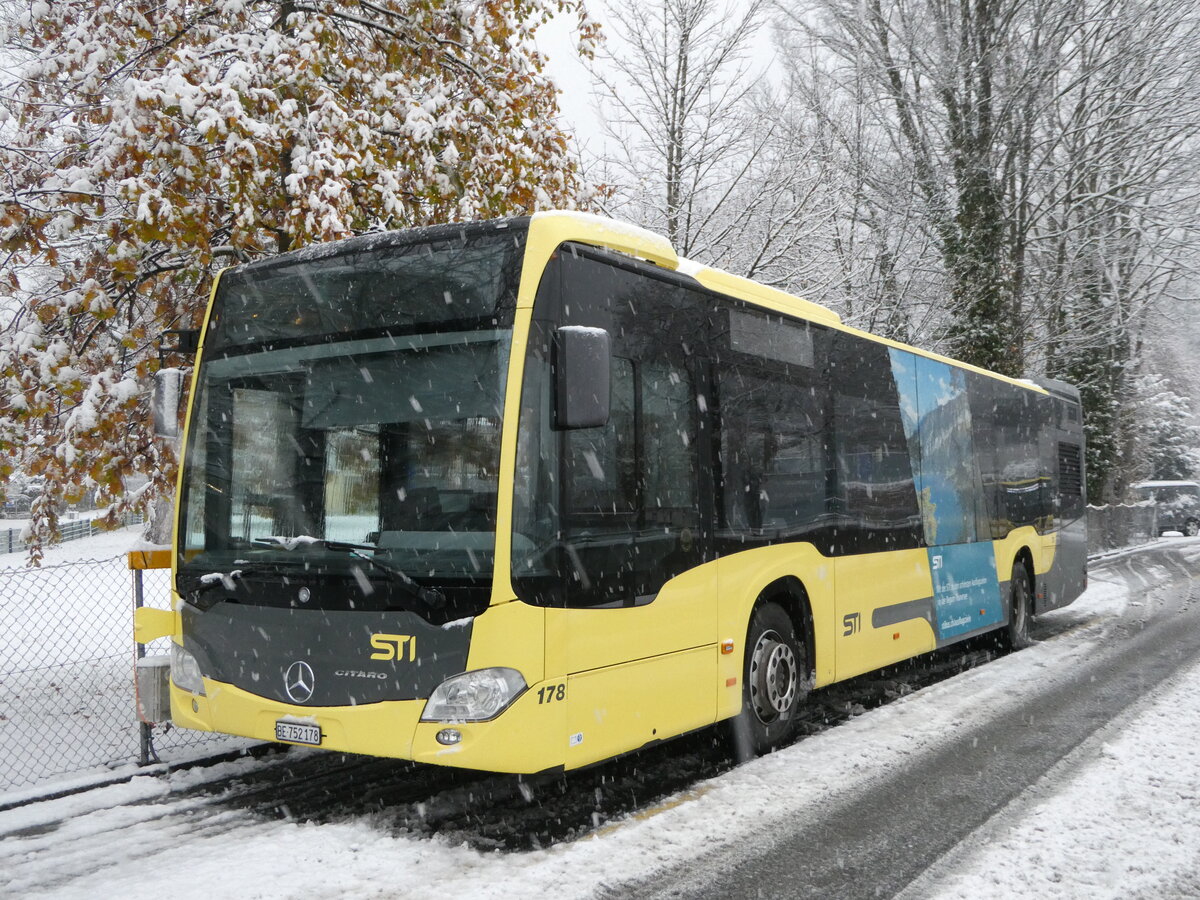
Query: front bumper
x,y
526,738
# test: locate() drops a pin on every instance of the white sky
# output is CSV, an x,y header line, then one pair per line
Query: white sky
x,y
556,40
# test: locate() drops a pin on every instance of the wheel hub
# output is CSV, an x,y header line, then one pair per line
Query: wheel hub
x,y
774,678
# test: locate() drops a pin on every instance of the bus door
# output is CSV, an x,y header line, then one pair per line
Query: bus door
x,y
633,629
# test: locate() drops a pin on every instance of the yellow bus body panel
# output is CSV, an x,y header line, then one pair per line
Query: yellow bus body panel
x,y
640,673
624,707
1042,548
681,617
509,635
873,581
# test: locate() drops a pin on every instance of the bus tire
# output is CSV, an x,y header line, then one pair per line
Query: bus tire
x,y
774,682
1020,608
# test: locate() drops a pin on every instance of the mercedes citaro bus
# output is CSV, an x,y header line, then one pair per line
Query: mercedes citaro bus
x,y
523,495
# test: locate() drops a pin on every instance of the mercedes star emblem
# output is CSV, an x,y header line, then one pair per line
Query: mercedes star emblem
x,y
298,681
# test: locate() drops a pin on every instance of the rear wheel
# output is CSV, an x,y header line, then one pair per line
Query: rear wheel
x,y
1021,608
1192,527
774,682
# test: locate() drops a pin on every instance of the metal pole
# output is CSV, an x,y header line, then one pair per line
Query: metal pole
x,y
145,734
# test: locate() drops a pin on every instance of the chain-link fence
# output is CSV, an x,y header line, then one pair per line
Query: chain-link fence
x,y
1114,527
66,671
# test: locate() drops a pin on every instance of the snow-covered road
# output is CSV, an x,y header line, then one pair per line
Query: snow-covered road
x,y
1117,817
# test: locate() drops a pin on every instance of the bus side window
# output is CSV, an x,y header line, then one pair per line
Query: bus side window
x,y
1007,421
605,516
773,456
600,500
772,398
668,534
875,499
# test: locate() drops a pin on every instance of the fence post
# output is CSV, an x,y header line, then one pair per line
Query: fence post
x,y
144,728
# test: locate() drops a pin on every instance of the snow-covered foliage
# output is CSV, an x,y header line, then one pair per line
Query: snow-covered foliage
x,y
1169,440
147,143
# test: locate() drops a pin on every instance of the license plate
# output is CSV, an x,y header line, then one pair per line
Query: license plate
x,y
297,733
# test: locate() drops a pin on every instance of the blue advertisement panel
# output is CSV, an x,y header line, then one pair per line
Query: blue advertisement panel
x,y
966,591
936,412
904,371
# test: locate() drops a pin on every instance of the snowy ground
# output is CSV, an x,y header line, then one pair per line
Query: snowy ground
x,y
1119,818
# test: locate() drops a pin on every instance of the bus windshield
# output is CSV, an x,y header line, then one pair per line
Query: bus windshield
x,y
347,423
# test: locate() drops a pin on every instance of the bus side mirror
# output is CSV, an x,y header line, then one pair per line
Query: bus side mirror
x,y
164,401
582,363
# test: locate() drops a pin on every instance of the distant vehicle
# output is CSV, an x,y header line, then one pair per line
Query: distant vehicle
x,y
528,494
1178,504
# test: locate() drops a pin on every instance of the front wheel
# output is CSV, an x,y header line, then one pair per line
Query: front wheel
x,y
1192,527
774,682
1021,609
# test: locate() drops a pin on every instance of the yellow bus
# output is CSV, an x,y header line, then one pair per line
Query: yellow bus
x,y
527,494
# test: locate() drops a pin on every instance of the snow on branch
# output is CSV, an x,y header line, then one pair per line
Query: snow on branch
x,y
144,143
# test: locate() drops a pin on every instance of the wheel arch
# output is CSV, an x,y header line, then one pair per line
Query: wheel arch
x,y
790,594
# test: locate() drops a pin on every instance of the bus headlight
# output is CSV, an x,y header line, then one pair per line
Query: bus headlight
x,y
474,696
185,671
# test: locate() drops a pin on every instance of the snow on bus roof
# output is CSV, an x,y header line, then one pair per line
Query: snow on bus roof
x,y
635,232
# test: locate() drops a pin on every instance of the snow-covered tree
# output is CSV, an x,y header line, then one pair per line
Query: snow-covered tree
x,y
1048,151
145,143
949,89
1169,439
675,79
1114,233
699,148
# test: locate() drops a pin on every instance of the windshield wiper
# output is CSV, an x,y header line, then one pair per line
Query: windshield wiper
x,y
431,597
291,543
214,580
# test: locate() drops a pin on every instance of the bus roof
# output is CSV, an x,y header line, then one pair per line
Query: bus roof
x,y
645,244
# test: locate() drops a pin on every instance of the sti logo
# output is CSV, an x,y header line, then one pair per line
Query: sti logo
x,y
852,622
392,646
